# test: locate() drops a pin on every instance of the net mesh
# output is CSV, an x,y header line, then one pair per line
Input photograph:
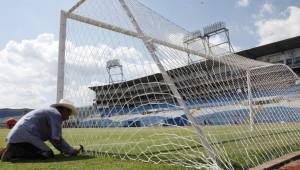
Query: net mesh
x,y
139,98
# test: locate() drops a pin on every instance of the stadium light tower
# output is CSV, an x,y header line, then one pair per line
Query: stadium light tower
x,y
115,71
191,38
215,29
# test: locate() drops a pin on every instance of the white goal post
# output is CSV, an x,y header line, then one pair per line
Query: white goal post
x,y
220,110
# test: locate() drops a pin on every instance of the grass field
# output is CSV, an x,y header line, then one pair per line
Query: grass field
x,y
127,148
82,162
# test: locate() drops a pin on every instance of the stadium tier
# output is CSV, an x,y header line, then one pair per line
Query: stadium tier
x,y
191,80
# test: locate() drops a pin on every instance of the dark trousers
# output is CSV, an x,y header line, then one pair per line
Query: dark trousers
x,y
27,151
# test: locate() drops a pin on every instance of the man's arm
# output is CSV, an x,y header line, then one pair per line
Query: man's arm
x,y
64,147
56,136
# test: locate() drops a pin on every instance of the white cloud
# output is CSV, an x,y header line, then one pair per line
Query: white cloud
x,y
29,69
28,72
275,29
243,3
267,8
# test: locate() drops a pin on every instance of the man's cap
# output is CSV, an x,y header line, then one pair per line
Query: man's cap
x,y
66,104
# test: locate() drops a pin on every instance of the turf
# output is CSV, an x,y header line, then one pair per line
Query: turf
x,y
181,144
82,162
162,144
85,163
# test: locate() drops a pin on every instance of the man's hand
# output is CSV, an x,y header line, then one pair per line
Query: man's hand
x,y
81,148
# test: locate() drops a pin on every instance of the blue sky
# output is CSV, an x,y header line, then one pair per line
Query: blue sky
x,y
26,19
240,16
29,36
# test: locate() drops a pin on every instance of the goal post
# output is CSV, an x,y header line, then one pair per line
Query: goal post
x,y
61,56
174,104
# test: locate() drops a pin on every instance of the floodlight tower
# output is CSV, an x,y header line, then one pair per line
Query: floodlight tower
x,y
215,29
115,71
191,38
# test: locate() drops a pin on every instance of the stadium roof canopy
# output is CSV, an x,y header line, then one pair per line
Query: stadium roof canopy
x,y
271,48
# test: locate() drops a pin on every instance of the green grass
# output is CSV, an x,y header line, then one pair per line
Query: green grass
x,y
117,148
82,162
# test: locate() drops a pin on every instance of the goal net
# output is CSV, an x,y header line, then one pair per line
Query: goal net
x,y
143,95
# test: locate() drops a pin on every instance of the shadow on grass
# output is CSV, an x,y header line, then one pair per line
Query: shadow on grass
x,y
57,158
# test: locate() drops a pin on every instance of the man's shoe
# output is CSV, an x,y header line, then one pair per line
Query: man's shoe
x,y
2,151
5,156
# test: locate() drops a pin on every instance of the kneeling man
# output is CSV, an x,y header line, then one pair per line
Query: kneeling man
x,y
26,139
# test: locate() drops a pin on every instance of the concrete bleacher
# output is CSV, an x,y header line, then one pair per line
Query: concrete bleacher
x,y
137,120
277,114
7,115
11,113
223,116
221,110
150,107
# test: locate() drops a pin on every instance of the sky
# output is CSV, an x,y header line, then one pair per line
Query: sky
x,y
30,28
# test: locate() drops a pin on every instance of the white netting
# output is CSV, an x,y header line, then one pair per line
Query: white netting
x,y
222,109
